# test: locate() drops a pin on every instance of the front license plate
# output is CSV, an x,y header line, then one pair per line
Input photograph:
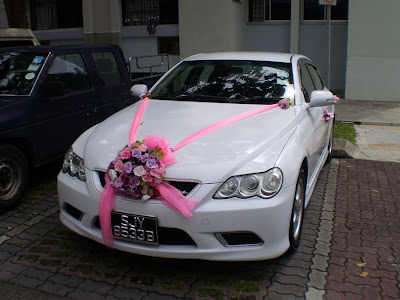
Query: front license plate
x,y
134,228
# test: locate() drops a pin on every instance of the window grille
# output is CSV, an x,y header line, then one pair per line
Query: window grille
x,y
44,14
53,14
140,12
263,10
154,12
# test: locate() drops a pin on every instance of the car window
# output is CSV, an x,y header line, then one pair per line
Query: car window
x,y
19,71
306,81
318,83
236,81
108,68
70,73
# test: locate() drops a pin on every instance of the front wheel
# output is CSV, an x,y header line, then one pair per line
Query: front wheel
x,y
296,219
14,175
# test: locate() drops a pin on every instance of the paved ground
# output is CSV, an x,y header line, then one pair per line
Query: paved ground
x,y
350,246
350,249
377,124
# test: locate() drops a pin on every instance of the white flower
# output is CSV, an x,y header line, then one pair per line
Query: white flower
x,y
139,171
145,198
113,174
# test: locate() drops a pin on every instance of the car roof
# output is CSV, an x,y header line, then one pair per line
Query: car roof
x,y
247,55
58,48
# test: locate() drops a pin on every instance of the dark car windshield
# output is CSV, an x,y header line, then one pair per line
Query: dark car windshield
x,y
231,81
19,71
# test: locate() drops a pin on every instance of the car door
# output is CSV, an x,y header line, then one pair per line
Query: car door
x,y
113,89
66,106
317,128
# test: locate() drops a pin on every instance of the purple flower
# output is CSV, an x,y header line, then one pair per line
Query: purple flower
x,y
144,157
151,163
134,182
285,105
128,167
118,183
136,153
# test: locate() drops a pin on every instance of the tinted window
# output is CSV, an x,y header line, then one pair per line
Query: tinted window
x,y
306,82
257,82
107,67
70,72
318,83
19,71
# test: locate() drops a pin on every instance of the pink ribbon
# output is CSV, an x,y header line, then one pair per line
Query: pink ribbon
x,y
106,204
169,195
137,119
223,123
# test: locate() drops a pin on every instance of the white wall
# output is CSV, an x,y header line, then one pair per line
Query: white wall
x,y
373,55
211,25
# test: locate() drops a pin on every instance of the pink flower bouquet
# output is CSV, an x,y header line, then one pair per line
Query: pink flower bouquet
x,y
138,168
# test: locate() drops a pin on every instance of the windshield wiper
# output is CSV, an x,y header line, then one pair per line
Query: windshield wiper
x,y
201,97
256,100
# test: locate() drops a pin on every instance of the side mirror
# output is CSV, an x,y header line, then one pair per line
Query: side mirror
x,y
138,89
321,98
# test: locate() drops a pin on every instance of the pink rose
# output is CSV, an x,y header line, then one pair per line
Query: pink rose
x,y
157,173
119,166
142,147
126,153
149,179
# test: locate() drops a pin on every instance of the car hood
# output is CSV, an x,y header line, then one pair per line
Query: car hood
x,y
234,149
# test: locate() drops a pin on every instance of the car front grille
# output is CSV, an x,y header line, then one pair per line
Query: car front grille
x,y
185,187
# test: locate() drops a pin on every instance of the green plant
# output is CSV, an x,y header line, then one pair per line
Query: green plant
x,y
345,131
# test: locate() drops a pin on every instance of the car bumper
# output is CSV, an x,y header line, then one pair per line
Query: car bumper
x,y
266,218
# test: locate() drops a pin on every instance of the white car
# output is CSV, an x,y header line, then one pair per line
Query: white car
x,y
252,178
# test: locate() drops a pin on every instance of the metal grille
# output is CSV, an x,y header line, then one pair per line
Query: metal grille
x,y
141,12
256,11
44,14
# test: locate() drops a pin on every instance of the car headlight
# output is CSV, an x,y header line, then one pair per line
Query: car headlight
x,y
73,165
263,185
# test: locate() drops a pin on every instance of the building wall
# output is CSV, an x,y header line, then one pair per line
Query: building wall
x,y
209,26
313,43
102,21
373,56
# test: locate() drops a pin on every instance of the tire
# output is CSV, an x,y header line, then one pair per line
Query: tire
x,y
297,216
14,176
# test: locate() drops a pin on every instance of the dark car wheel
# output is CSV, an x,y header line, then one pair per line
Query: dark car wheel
x,y
14,175
296,219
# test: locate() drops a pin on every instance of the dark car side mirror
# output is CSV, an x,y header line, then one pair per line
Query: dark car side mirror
x,y
53,89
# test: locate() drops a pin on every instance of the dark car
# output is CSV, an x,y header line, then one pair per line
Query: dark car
x,y
49,95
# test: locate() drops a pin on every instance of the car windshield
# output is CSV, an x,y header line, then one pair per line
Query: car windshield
x,y
19,71
231,81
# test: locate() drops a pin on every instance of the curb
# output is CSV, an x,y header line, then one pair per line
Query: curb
x,y
343,149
